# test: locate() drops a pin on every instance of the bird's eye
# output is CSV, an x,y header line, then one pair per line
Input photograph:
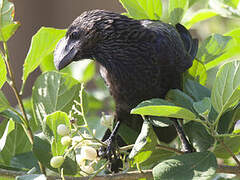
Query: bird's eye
x,y
74,35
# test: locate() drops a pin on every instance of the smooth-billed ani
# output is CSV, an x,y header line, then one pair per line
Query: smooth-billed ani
x,y
139,59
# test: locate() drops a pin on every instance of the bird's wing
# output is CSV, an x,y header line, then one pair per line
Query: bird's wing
x,y
174,45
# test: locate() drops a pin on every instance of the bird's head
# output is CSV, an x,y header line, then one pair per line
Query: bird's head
x,y
85,32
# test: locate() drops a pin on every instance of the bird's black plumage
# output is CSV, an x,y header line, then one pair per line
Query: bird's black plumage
x,y
139,59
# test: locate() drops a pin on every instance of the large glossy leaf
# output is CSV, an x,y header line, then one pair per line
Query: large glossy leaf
x,y
155,109
191,166
212,47
176,10
226,88
200,15
43,43
142,9
3,72
52,92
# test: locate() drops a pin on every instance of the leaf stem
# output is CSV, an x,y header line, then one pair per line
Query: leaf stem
x,y
83,115
12,84
18,97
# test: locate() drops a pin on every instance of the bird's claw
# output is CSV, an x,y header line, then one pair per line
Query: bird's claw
x,y
109,152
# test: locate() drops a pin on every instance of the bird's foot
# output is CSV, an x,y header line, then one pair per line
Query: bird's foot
x,y
109,152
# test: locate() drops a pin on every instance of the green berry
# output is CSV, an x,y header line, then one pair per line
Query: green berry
x,y
57,161
66,140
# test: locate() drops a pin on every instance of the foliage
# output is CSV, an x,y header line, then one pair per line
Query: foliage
x,y
210,111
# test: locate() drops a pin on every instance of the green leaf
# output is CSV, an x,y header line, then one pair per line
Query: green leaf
x,y
43,43
24,161
8,31
9,114
47,63
42,150
51,122
232,143
9,128
198,136
4,104
165,111
32,177
145,142
212,47
17,143
200,15
125,130
27,103
142,9
3,72
227,121
197,72
191,166
232,49
179,98
176,10
52,92
145,148
196,90
203,107
6,13
226,88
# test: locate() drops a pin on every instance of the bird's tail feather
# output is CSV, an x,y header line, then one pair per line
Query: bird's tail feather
x,y
190,44
194,48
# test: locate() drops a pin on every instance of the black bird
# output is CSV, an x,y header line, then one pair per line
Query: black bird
x,y
139,60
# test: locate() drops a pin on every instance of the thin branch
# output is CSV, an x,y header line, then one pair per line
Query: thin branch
x,y
18,97
12,84
169,149
229,151
228,169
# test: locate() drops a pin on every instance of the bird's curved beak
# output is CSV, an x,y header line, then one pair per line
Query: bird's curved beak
x,y
64,52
